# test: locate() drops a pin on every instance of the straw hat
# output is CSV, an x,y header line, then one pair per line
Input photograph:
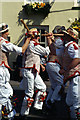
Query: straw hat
x,y
3,27
34,31
72,32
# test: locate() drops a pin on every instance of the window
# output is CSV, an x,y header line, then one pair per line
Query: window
x,y
42,29
76,3
9,38
40,1
32,1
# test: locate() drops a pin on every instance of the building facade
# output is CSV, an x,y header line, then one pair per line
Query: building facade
x,y
11,12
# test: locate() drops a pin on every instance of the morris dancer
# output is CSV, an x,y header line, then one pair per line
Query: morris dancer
x,y
71,72
6,91
53,66
30,72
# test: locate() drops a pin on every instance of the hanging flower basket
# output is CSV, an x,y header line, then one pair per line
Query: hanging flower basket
x,y
37,8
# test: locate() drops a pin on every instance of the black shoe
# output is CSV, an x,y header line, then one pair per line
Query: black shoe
x,y
46,110
49,103
36,111
8,119
24,117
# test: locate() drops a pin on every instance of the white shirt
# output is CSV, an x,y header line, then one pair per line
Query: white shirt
x,y
38,49
10,47
73,49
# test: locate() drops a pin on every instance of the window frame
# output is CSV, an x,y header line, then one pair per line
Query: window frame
x,y
76,3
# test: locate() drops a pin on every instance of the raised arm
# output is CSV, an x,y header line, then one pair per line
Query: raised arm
x,y
24,47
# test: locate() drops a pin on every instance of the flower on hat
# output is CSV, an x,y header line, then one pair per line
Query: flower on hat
x,y
73,33
76,24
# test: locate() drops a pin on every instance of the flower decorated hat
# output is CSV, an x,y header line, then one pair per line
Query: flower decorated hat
x,y
72,32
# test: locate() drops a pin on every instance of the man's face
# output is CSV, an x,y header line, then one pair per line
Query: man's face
x,y
5,35
58,42
36,38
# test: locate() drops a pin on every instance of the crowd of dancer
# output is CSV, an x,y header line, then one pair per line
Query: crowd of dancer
x,y
62,66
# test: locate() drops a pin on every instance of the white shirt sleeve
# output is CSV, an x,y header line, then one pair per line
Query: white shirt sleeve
x,y
10,47
72,51
38,49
